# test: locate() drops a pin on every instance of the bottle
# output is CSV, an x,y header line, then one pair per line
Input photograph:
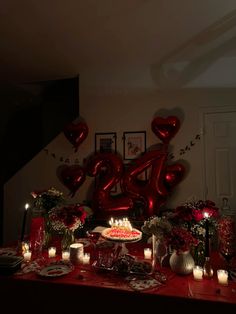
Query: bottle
x,y
207,268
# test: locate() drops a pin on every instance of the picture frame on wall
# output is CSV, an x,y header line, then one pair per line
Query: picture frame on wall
x,y
134,144
105,142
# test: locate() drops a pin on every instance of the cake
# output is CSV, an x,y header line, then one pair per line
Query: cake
x,y
121,230
121,234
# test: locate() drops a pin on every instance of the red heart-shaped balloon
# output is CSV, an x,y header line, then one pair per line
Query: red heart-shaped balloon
x,y
76,133
72,177
174,174
165,128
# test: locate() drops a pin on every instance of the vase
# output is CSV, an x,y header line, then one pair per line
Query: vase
x,y
181,262
159,248
67,239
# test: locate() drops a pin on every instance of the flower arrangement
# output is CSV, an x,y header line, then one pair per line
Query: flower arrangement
x,y
65,220
158,226
47,199
191,215
69,217
193,211
227,237
181,239
184,227
60,219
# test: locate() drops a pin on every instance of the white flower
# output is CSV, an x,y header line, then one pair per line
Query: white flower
x,y
158,226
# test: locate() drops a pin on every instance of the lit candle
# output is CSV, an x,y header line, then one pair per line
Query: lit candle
x,y
24,222
27,256
25,245
222,276
76,253
198,272
147,253
52,251
65,255
111,222
86,258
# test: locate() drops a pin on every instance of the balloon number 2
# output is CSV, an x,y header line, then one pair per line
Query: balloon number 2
x,y
110,168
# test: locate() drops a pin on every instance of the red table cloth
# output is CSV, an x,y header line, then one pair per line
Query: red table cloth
x,y
85,287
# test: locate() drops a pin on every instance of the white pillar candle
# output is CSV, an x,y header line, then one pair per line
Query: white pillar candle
x,y
65,255
198,272
222,276
147,253
76,253
51,251
27,256
86,258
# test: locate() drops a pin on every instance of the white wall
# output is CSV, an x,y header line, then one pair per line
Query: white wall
x,y
117,111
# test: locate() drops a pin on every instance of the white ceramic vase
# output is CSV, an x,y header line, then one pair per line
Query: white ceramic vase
x,y
181,263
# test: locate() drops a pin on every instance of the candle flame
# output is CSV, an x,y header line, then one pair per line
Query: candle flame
x,y
26,206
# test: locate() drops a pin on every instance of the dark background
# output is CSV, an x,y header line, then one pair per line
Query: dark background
x,y
31,116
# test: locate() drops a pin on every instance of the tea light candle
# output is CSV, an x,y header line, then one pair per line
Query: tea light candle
x,y
25,246
52,251
86,258
222,276
198,272
65,255
27,256
147,253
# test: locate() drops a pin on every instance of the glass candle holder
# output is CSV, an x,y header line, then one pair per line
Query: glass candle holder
x,y
207,268
197,272
65,255
147,253
222,276
25,246
27,256
86,258
51,251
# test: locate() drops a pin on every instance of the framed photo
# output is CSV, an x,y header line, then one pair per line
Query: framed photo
x,y
105,142
134,144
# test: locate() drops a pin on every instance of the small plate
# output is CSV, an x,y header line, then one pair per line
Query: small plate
x,y
7,251
55,270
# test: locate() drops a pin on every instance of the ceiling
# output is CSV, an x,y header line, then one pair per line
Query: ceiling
x,y
148,43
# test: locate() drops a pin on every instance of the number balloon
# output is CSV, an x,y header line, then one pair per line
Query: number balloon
x,y
153,191
174,174
108,170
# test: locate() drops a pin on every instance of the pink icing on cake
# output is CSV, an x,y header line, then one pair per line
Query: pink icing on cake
x,y
122,234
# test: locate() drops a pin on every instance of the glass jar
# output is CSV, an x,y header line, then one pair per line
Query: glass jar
x,y
67,239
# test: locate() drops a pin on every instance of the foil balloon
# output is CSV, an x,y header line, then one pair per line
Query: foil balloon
x,y
165,128
76,133
174,174
151,192
72,177
107,168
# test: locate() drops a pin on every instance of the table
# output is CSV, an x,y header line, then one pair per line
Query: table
x,y
85,288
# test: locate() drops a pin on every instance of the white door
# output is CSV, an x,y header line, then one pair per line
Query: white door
x,y
220,157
